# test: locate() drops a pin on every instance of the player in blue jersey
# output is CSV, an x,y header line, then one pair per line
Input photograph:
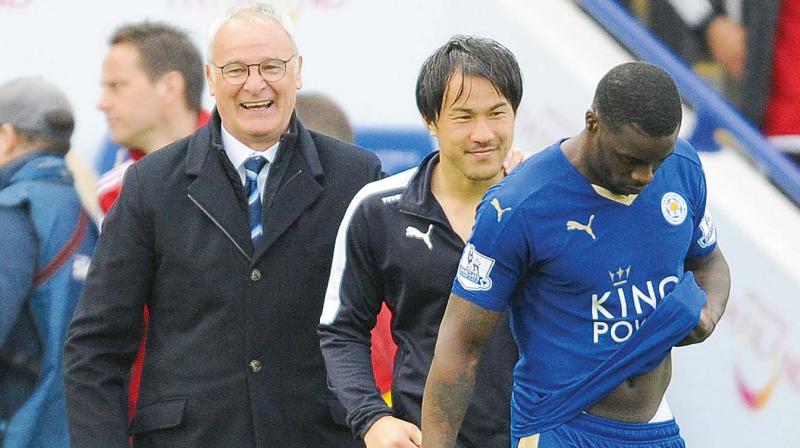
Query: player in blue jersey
x,y
602,249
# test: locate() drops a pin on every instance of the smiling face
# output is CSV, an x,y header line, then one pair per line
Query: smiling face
x,y
257,112
625,161
474,129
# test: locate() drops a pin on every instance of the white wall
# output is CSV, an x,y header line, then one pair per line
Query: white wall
x,y
363,53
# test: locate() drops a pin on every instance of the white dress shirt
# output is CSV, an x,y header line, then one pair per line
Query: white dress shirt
x,y
238,153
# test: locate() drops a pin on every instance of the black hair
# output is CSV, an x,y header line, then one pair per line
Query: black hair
x,y
164,48
470,56
639,94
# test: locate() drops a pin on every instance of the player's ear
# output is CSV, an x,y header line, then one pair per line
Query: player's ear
x,y
591,120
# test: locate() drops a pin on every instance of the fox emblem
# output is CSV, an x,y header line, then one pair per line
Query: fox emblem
x,y
413,232
575,225
496,204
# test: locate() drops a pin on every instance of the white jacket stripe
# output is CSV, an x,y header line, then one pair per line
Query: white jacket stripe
x,y
332,298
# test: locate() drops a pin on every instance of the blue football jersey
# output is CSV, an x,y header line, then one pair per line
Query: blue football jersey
x,y
579,267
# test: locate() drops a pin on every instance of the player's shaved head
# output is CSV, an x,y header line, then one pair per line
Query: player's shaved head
x,y
639,94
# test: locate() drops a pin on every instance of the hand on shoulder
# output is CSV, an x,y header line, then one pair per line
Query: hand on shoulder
x,y
513,159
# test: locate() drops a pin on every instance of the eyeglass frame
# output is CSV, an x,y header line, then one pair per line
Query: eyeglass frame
x,y
285,65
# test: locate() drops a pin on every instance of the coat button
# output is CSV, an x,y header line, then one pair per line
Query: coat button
x,y
255,366
255,275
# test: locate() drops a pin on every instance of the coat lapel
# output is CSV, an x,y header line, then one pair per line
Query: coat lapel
x,y
298,190
299,185
212,192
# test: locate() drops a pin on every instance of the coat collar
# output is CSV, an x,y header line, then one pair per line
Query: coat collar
x,y
296,139
38,164
295,182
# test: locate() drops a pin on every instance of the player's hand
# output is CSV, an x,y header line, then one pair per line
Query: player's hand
x,y
702,330
391,432
513,159
727,42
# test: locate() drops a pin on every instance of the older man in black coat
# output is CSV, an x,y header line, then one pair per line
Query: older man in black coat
x,y
233,358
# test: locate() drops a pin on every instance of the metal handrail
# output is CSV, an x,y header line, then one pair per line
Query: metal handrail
x,y
714,113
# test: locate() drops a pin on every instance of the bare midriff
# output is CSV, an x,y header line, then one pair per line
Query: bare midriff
x,y
637,398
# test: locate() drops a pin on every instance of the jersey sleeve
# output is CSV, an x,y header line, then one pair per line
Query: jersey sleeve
x,y
704,237
495,257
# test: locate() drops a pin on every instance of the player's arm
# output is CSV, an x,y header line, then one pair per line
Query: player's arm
x,y
712,274
464,331
352,302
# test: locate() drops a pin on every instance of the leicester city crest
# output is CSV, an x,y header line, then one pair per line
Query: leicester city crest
x,y
674,208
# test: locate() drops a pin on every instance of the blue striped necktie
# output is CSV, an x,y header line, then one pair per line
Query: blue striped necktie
x,y
252,167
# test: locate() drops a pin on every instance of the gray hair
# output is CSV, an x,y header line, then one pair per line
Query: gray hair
x,y
254,13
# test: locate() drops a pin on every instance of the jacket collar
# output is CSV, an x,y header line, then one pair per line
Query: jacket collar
x,y
209,137
418,197
297,138
294,185
39,164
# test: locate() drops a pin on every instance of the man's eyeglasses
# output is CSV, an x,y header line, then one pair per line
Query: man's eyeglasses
x,y
236,73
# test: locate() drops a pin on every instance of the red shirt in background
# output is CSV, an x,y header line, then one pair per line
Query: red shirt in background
x,y
783,105
383,352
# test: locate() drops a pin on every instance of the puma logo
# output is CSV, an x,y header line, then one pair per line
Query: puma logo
x,y
496,204
575,225
413,232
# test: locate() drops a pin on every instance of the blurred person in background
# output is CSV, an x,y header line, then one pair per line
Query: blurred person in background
x,y
46,241
152,88
400,244
227,237
321,113
758,48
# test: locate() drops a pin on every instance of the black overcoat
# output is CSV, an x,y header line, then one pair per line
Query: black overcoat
x,y
232,356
